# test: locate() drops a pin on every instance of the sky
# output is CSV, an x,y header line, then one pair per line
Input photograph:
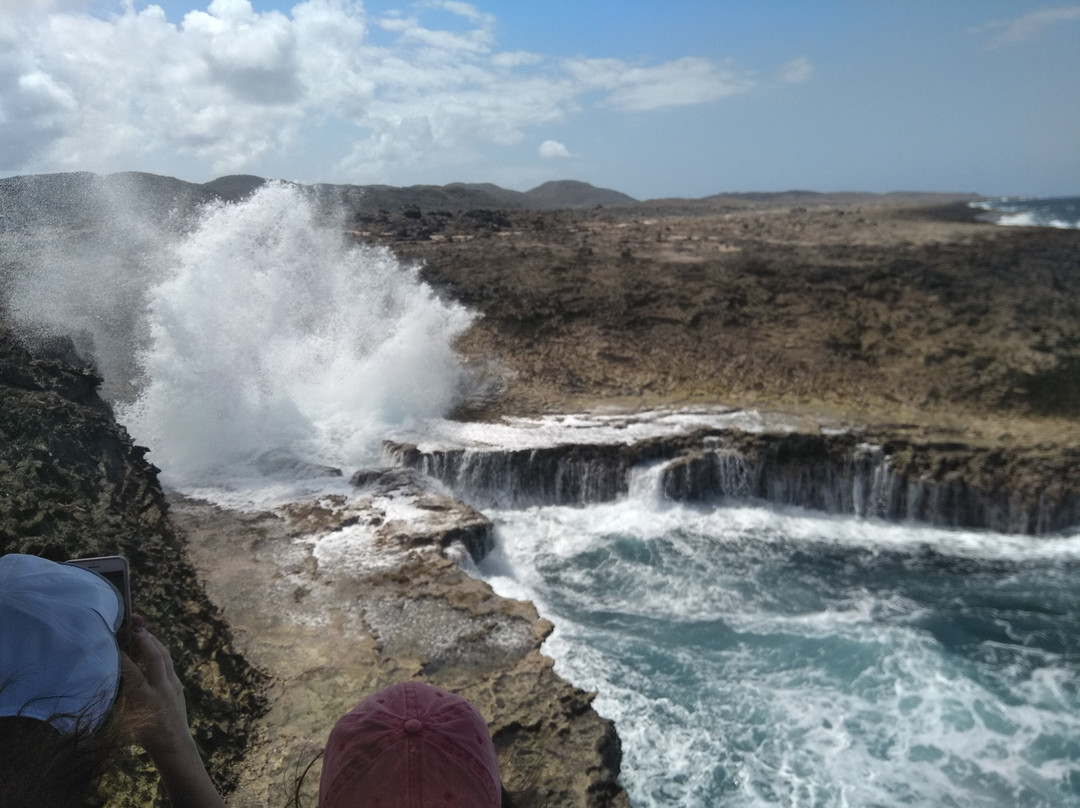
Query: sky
x,y
652,98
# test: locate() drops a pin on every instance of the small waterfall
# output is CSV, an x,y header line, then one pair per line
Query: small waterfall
x,y
831,474
563,475
646,483
864,484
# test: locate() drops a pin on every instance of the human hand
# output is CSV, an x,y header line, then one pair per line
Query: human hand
x,y
154,695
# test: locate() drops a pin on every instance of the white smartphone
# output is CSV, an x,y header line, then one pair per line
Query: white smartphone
x,y
115,570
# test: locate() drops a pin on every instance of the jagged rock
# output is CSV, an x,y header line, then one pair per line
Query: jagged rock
x,y
435,520
337,598
73,485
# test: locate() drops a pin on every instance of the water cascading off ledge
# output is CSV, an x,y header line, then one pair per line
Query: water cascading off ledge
x,y
941,484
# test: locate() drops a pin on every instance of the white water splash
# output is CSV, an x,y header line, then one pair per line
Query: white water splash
x,y
274,332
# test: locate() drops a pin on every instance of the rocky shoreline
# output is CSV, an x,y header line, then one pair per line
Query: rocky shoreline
x,y
339,598
853,472
870,313
908,343
279,622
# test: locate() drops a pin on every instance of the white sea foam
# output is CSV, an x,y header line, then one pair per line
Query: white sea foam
x,y
351,549
1062,213
512,433
753,657
273,332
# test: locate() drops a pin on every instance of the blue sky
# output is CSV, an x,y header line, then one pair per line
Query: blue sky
x,y
664,98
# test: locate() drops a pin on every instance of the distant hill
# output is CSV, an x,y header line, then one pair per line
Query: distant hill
x,y
466,196
505,197
786,198
80,198
235,187
574,194
425,197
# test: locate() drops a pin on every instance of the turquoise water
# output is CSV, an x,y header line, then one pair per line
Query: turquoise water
x,y
1061,212
751,657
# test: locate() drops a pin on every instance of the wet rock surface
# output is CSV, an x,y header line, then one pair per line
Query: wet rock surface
x,y
858,473
339,598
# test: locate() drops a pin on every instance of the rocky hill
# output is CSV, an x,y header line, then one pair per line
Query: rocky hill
x,y
76,198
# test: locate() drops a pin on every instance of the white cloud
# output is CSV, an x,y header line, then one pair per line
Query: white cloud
x,y
685,81
512,59
445,43
553,149
466,10
230,88
1027,26
797,71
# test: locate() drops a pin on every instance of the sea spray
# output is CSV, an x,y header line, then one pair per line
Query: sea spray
x,y
274,332
79,253
1060,212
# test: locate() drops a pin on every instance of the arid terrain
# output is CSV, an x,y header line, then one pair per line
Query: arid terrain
x,y
872,311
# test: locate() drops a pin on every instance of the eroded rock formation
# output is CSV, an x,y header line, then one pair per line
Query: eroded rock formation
x,y
1031,490
340,598
72,484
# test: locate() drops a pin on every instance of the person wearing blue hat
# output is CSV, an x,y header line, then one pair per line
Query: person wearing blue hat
x,y
69,695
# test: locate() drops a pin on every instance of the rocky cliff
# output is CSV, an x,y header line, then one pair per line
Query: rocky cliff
x,y
72,484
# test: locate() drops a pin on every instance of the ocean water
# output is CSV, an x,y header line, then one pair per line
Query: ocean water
x,y
754,657
1021,211
748,656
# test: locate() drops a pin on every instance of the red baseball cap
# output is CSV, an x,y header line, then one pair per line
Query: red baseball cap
x,y
410,746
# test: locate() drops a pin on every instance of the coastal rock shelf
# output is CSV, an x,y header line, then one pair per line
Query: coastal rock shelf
x,y
337,598
875,476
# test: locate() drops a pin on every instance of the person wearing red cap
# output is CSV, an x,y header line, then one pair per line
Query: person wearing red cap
x,y
411,745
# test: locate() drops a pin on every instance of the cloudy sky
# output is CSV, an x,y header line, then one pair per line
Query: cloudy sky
x,y
650,97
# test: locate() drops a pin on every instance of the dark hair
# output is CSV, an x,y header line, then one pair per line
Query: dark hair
x,y
45,768
41,766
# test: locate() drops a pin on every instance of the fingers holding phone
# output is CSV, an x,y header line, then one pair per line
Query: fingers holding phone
x,y
151,687
115,570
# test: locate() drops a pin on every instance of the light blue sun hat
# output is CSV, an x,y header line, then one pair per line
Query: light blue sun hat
x,y
59,659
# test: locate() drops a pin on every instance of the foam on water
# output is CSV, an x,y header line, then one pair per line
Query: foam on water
x,y
272,332
1062,213
755,657
516,433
